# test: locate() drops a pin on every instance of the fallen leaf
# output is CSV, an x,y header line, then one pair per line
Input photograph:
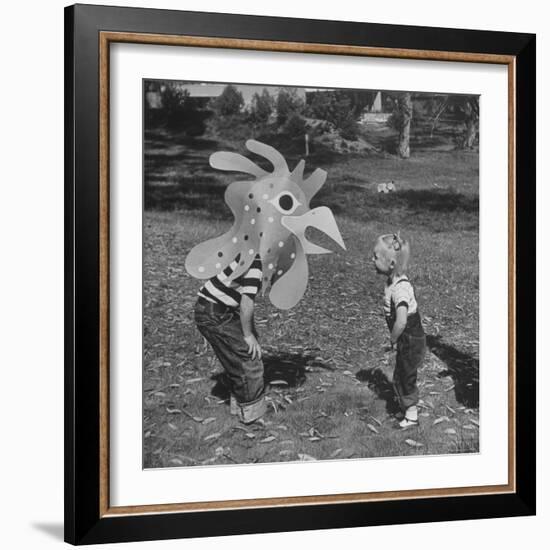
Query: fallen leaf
x,y
315,438
173,426
474,422
376,420
469,427
335,453
372,428
219,451
193,380
176,461
267,439
450,431
173,411
208,420
413,443
278,383
160,394
250,435
441,419
212,436
306,457
195,418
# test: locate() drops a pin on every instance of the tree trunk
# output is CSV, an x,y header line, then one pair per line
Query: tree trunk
x,y
470,133
471,115
405,111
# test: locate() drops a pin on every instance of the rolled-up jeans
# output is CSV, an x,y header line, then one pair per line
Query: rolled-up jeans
x,y
410,355
223,330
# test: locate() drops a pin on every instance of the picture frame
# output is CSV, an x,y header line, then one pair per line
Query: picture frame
x,y
90,31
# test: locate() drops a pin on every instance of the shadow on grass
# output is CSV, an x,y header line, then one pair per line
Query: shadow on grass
x,y
439,210
178,177
197,193
461,367
288,367
379,383
416,201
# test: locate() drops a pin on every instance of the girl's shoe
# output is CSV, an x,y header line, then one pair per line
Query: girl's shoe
x,y
407,423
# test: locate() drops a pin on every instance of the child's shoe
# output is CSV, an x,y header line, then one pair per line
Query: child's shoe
x,y
407,423
410,419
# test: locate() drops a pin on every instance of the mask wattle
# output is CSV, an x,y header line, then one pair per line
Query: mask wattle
x,y
288,290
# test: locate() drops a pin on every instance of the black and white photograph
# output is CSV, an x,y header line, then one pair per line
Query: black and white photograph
x,y
310,273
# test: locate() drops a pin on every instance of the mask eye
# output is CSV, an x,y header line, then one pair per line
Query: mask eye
x,y
285,202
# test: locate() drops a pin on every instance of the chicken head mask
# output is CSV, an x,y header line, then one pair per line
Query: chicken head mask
x,y
271,215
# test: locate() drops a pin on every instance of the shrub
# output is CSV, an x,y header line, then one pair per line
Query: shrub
x,y
182,112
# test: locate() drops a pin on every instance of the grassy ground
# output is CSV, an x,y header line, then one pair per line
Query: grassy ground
x,y
325,360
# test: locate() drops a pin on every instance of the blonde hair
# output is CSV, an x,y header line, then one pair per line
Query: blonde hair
x,y
399,248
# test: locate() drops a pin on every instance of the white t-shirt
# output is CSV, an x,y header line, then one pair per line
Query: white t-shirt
x,y
399,292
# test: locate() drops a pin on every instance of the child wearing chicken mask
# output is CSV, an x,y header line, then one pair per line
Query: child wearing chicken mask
x,y
224,315
266,246
390,258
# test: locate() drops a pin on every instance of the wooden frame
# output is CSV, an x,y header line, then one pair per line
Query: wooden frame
x,y
89,518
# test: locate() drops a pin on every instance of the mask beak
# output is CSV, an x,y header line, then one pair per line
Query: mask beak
x,y
321,218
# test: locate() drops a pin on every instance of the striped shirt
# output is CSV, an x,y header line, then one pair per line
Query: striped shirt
x,y
221,290
399,292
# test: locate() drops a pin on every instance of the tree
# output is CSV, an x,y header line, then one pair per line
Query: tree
x,y
465,108
229,102
261,107
405,110
470,108
288,103
437,107
182,112
295,126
